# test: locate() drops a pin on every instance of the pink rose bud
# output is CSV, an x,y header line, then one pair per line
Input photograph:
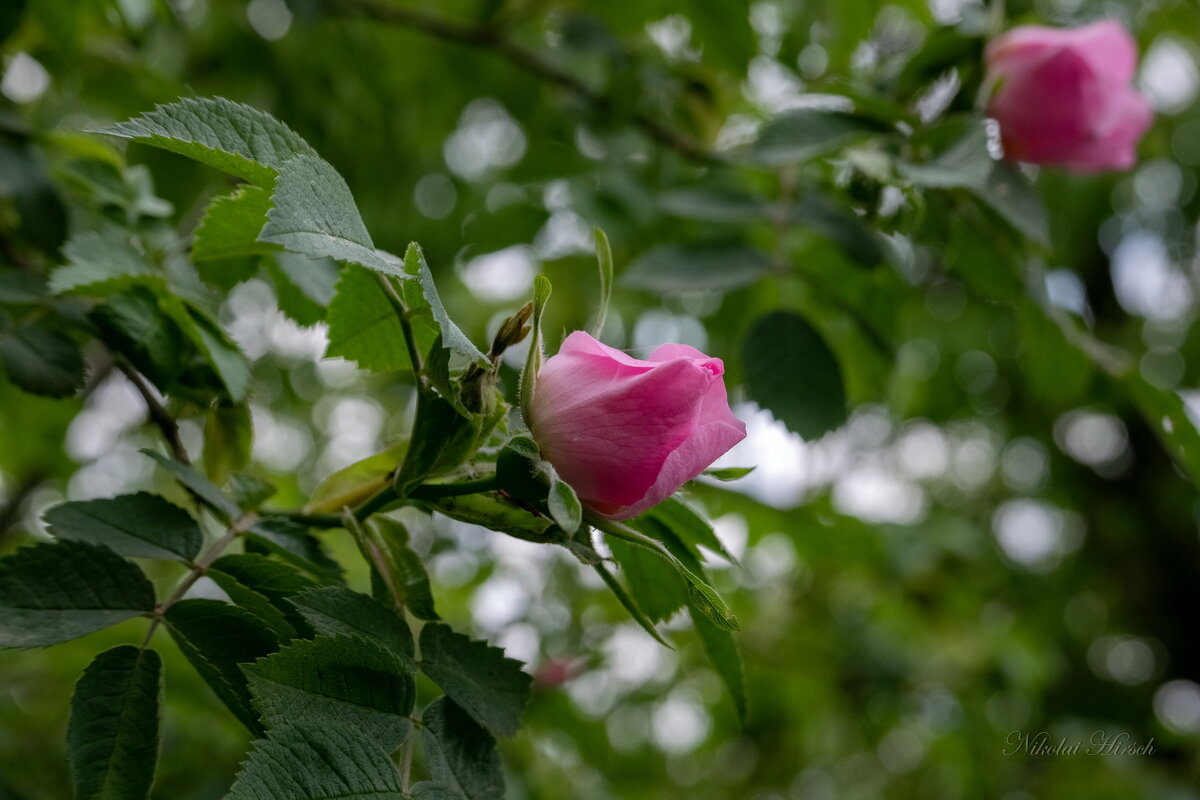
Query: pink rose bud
x,y
1064,97
557,671
626,433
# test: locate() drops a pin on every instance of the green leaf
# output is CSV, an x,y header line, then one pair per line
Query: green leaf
x,y
344,680
564,506
718,641
523,474
18,287
727,474
429,790
488,686
228,436
216,638
133,324
334,610
704,598
295,545
533,361
723,651
352,484
461,755
804,134
407,572
860,240
657,589
679,519
113,736
10,18
138,525
791,372
437,370
231,224
232,137
492,511
314,214
715,204
442,439
317,762
622,595
1168,417
42,361
257,604
304,286
99,262
701,594
363,326
199,487
218,349
965,164
1054,370
57,591
605,261
263,587
452,335
250,491
685,267
1010,194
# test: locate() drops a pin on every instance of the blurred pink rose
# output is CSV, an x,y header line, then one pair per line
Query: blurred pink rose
x,y
1064,97
626,433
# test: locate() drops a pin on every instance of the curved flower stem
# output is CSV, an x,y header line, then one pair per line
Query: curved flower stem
x,y
626,533
386,496
434,491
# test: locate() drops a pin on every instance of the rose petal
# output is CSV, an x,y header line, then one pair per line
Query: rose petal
x,y
607,429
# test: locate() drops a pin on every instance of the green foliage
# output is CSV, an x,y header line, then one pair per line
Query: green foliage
x,y
135,326
217,638
317,762
533,361
335,610
99,263
452,336
231,225
401,568
604,259
227,440
199,487
791,372
491,688
114,733
41,360
263,587
340,680
232,137
313,213
805,134
57,591
293,544
462,756
138,525
807,191
685,524
524,474
363,326
353,484
680,267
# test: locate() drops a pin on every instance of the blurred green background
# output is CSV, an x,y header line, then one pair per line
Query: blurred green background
x,y
996,540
